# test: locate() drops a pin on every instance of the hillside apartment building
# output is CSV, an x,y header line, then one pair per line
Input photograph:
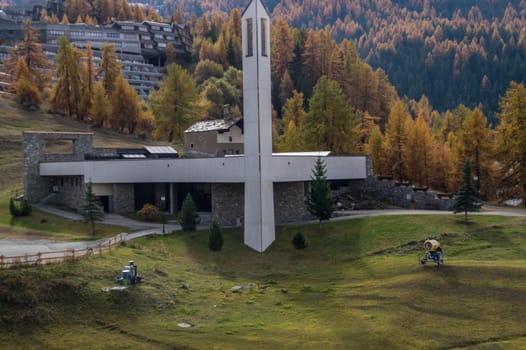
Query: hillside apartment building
x,y
140,46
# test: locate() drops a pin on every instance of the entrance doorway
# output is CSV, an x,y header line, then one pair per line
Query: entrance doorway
x,y
104,201
156,194
201,194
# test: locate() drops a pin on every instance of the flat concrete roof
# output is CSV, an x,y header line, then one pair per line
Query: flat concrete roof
x,y
203,170
58,132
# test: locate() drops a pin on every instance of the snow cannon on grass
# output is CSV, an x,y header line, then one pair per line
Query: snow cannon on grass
x,y
434,253
129,274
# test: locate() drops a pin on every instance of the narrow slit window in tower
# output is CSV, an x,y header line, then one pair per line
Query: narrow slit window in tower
x,y
249,37
264,37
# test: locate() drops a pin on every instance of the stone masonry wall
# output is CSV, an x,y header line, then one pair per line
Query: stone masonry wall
x,y
228,203
36,188
398,194
70,191
123,198
289,202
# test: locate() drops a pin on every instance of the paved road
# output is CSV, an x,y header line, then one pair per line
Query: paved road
x,y
110,219
12,247
486,210
17,247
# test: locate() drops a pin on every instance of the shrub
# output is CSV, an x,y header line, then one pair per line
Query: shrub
x,y
299,241
188,217
13,209
23,209
149,212
215,239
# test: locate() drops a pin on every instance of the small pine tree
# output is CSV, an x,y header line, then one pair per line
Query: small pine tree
x,y
215,239
188,217
299,241
319,202
467,198
91,210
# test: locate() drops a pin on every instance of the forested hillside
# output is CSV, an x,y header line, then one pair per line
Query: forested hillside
x,y
325,97
454,52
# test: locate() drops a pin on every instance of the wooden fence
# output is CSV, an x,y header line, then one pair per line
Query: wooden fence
x,y
57,256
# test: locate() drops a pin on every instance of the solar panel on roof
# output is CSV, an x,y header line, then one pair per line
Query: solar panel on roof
x,y
160,150
133,156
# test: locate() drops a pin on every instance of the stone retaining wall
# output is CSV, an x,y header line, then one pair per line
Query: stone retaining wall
x,y
398,194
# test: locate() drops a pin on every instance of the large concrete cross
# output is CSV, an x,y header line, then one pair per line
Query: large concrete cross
x,y
257,119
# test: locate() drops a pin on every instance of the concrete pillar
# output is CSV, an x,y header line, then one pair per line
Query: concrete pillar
x,y
257,119
172,210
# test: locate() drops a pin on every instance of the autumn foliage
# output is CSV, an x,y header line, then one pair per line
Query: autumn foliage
x,y
324,95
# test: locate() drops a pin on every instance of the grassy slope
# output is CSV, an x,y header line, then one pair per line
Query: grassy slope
x,y
358,285
14,121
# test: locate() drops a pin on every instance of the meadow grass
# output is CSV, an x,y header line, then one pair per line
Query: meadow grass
x,y
358,285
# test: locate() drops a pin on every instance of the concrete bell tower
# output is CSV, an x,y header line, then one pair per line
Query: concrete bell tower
x,y
257,119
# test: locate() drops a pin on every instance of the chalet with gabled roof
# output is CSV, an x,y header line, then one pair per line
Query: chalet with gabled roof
x,y
215,138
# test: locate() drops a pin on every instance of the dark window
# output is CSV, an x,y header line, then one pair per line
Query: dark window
x,y
249,37
230,138
264,37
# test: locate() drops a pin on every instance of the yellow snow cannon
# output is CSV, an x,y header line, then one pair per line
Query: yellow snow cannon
x,y
434,252
431,245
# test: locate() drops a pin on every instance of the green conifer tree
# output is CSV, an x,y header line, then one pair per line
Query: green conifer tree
x,y
91,211
467,198
188,218
319,202
176,104
330,123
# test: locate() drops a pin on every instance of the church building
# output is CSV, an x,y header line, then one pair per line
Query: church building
x,y
255,188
